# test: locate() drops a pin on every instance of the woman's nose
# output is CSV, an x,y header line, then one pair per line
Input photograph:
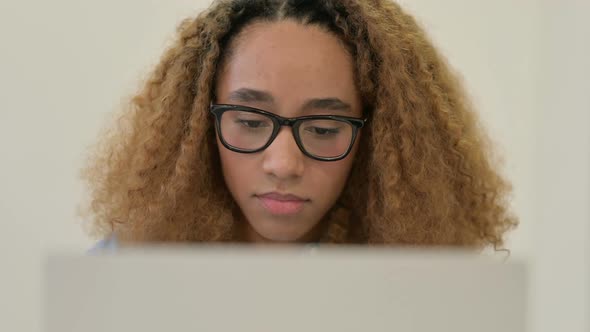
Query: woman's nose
x,y
283,158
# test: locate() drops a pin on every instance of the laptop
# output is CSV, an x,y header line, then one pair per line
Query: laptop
x,y
247,289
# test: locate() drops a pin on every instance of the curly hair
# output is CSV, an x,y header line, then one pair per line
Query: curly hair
x,y
424,174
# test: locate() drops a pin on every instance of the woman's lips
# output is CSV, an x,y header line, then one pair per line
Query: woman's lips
x,y
282,204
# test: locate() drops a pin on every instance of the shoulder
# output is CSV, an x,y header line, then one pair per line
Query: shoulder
x,y
108,244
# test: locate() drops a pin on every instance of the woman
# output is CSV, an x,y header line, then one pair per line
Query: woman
x,y
299,121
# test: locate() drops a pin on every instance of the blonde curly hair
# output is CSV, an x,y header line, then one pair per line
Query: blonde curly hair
x,y
423,175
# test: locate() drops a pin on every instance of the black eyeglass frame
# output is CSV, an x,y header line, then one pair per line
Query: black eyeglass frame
x,y
278,121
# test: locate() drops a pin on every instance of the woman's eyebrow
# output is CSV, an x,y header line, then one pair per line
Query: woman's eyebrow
x,y
332,104
246,95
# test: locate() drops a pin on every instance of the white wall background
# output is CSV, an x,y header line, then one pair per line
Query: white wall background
x,y
65,65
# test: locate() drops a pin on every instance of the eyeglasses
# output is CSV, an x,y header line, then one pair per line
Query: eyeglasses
x,y
321,137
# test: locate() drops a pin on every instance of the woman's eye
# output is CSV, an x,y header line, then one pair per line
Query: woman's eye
x,y
252,123
323,131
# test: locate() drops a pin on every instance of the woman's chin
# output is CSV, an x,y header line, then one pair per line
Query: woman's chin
x,y
278,234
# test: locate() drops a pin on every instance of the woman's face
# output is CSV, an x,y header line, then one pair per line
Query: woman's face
x,y
283,68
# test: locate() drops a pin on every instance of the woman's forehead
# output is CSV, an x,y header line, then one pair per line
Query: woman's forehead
x,y
289,59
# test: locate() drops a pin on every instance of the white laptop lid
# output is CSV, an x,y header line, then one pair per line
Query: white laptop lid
x,y
295,289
